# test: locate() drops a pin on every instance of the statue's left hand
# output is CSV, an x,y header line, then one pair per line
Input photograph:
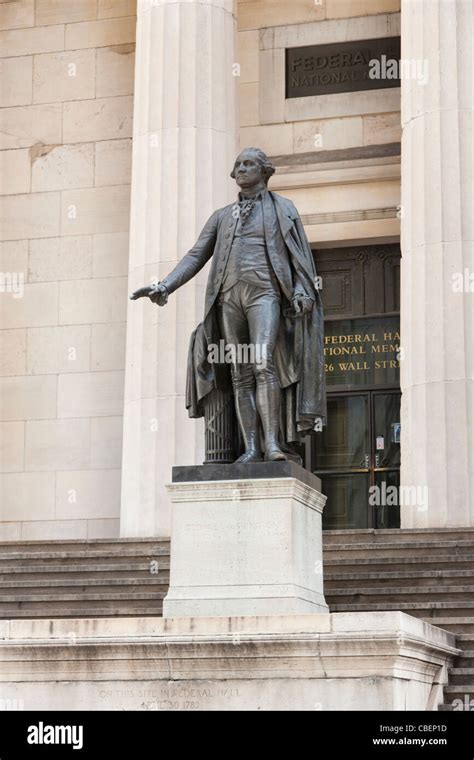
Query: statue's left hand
x,y
302,304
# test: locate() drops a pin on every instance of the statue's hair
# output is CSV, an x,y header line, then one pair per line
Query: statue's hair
x,y
267,167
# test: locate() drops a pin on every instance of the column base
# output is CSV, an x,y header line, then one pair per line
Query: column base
x,y
239,601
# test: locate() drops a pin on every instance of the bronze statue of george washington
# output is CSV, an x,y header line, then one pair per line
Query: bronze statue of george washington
x,y
262,295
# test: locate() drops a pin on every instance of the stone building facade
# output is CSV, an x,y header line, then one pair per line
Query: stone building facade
x,y
66,137
119,125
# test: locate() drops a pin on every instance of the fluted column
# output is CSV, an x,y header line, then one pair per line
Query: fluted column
x,y
184,143
437,317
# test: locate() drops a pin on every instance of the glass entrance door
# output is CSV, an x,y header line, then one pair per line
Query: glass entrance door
x,y
359,452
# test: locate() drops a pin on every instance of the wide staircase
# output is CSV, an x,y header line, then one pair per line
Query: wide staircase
x,y
101,578
426,573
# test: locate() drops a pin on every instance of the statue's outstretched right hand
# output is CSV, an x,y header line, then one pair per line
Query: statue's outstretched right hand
x,y
141,292
156,293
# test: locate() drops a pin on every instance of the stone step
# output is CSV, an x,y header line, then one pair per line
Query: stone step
x,y
371,535
461,676
417,609
83,605
85,571
92,596
86,611
466,640
459,691
461,626
111,544
80,557
80,585
466,644
396,549
424,578
385,564
466,659
395,594
459,670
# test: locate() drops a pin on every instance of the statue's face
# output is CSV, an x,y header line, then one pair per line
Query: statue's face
x,y
247,170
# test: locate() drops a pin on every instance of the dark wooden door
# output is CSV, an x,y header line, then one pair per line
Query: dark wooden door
x,y
359,450
364,280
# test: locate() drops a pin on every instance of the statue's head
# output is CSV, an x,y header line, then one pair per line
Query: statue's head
x,y
251,167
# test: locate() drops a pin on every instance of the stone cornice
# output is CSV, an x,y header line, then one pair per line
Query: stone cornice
x,y
236,490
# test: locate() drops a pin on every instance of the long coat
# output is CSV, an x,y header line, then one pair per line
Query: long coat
x,y
299,355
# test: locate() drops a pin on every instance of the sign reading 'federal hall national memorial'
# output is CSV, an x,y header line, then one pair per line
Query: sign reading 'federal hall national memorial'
x,y
341,67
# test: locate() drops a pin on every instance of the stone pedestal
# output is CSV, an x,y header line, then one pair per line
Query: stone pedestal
x,y
245,540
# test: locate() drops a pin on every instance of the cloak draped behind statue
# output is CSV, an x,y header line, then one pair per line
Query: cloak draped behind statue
x,y
299,354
